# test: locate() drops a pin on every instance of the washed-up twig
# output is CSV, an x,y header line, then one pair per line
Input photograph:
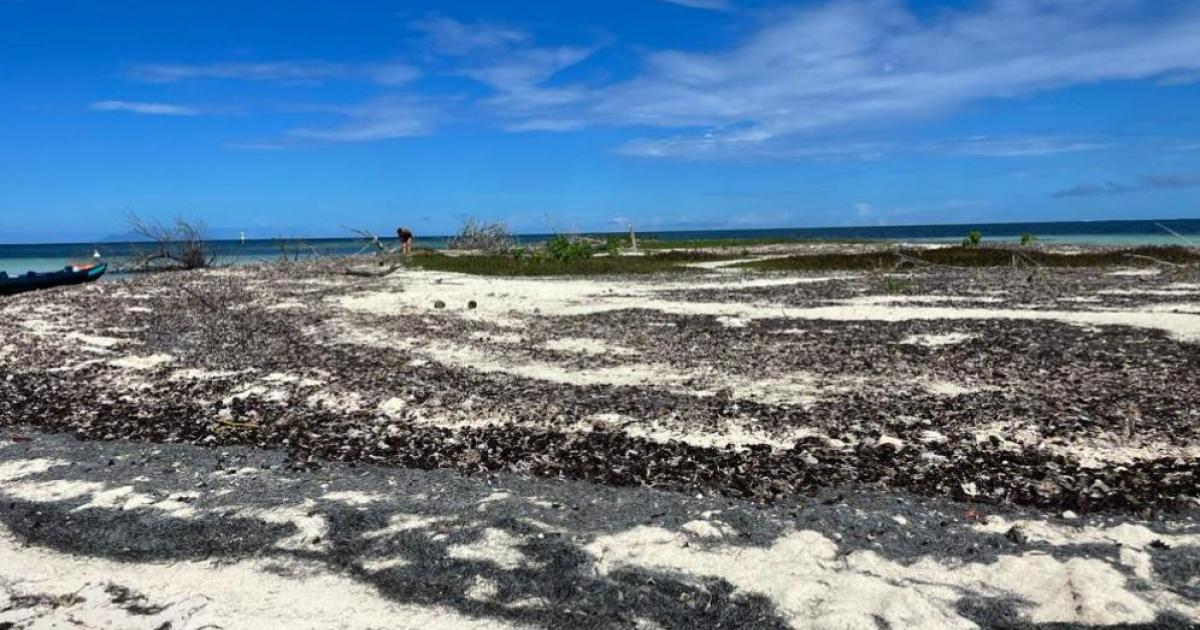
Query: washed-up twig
x,y
1156,260
919,261
231,425
364,273
1027,258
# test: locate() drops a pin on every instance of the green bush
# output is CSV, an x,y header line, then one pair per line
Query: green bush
x,y
565,249
1028,239
613,245
974,237
977,257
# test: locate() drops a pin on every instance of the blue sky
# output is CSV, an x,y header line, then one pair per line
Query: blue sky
x,y
297,118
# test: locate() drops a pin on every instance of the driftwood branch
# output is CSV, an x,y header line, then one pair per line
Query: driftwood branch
x,y
1156,261
373,241
390,256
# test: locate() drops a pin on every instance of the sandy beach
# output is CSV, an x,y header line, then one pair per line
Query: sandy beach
x,y
721,447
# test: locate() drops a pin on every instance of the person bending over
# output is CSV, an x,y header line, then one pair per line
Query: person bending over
x,y
405,237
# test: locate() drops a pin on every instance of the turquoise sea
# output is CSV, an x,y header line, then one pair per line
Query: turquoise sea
x,y
16,259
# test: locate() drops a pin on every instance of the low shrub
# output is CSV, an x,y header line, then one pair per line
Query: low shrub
x,y
567,250
977,257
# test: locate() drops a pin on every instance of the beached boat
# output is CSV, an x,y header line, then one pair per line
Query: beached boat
x,y
33,280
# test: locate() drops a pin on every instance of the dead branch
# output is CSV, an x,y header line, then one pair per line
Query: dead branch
x,y
372,240
367,273
181,245
388,256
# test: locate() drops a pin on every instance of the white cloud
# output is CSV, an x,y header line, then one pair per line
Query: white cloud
x,y
750,144
501,57
710,5
868,64
382,119
1168,181
805,83
985,146
522,69
304,71
136,107
447,36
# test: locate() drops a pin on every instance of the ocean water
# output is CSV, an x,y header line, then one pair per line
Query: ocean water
x,y
16,259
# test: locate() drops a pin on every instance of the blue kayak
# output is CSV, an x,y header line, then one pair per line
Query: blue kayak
x,y
32,281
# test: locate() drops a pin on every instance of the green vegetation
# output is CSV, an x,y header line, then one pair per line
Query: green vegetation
x,y
564,249
652,243
614,244
535,264
1028,239
976,257
974,238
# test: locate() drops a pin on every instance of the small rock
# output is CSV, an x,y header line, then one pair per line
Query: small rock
x,y
439,304
472,304
1017,535
1069,515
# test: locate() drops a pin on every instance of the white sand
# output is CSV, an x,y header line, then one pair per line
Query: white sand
x,y
811,581
947,388
581,345
197,595
98,341
735,432
500,299
1136,272
933,341
812,585
495,546
142,363
797,388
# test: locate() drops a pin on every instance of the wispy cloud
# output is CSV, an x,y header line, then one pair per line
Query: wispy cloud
x,y
710,5
1180,78
749,144
381,119
986,146
447,36
523,69
810,83
502,57
868,64
1145,182
137,107
302,71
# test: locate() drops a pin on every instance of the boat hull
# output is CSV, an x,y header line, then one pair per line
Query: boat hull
x,y
37,281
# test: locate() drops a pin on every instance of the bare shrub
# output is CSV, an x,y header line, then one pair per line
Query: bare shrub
x,y
489,237
179,245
